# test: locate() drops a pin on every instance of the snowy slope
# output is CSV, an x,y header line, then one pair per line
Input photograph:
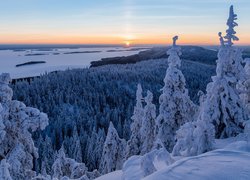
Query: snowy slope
x,y
116,175
231,162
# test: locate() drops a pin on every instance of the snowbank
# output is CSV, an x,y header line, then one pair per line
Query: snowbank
x,y
116,175
232,162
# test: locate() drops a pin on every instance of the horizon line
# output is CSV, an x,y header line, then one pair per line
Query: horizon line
x,y
115,44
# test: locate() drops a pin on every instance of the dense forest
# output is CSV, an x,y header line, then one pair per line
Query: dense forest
x,y
80,103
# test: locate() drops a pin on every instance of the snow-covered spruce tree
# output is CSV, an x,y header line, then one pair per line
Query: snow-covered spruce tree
x,y
194,138
74,146
113,151
66,167
94,151
2,127
223,106
46,155
185,140
134,143
247,130
176,108
244,86
4,170
148,125
17,146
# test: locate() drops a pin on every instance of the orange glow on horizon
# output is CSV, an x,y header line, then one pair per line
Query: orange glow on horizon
x,y
184,39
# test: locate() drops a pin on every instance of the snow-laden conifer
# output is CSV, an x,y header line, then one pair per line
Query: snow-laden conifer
x,y
47,155
64,167
4,170
134,143
2,127
244,85
176,108
17,146
148,124
231,33
223,106
75,147
247,130
194,138
113,151
95,145
185,140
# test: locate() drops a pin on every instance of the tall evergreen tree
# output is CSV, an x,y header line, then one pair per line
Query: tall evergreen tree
x,y
76,149
148,125
17,146
134,143
176,108
223,106
47,155
244,86
95,148
113,152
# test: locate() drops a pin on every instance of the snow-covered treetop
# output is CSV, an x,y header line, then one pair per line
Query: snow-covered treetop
x,y
5,78
247,66
175,38
231,33
61,153
4,170
229,64
111,131
149,97
139,96
6,92
174,53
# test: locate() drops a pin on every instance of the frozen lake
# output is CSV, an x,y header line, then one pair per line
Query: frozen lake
x,y
56,58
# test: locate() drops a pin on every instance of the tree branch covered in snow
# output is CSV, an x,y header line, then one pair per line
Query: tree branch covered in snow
x,y
17,120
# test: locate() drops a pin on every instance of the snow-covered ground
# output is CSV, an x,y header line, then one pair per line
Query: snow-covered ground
x,y
116,175
230,162
56,59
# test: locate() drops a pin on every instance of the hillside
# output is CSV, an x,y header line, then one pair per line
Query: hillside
x,y
193,53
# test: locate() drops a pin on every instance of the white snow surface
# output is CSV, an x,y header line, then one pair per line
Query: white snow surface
x,y
230,162
9,59
116,175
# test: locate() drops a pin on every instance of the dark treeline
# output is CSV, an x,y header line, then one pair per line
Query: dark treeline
x,y
196,53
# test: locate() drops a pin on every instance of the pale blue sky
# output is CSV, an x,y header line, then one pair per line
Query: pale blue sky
x,y
79,21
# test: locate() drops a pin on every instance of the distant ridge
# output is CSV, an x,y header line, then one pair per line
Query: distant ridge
x,y
193,53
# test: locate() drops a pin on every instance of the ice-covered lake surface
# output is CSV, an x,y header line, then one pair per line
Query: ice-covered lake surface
x,y
57,58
